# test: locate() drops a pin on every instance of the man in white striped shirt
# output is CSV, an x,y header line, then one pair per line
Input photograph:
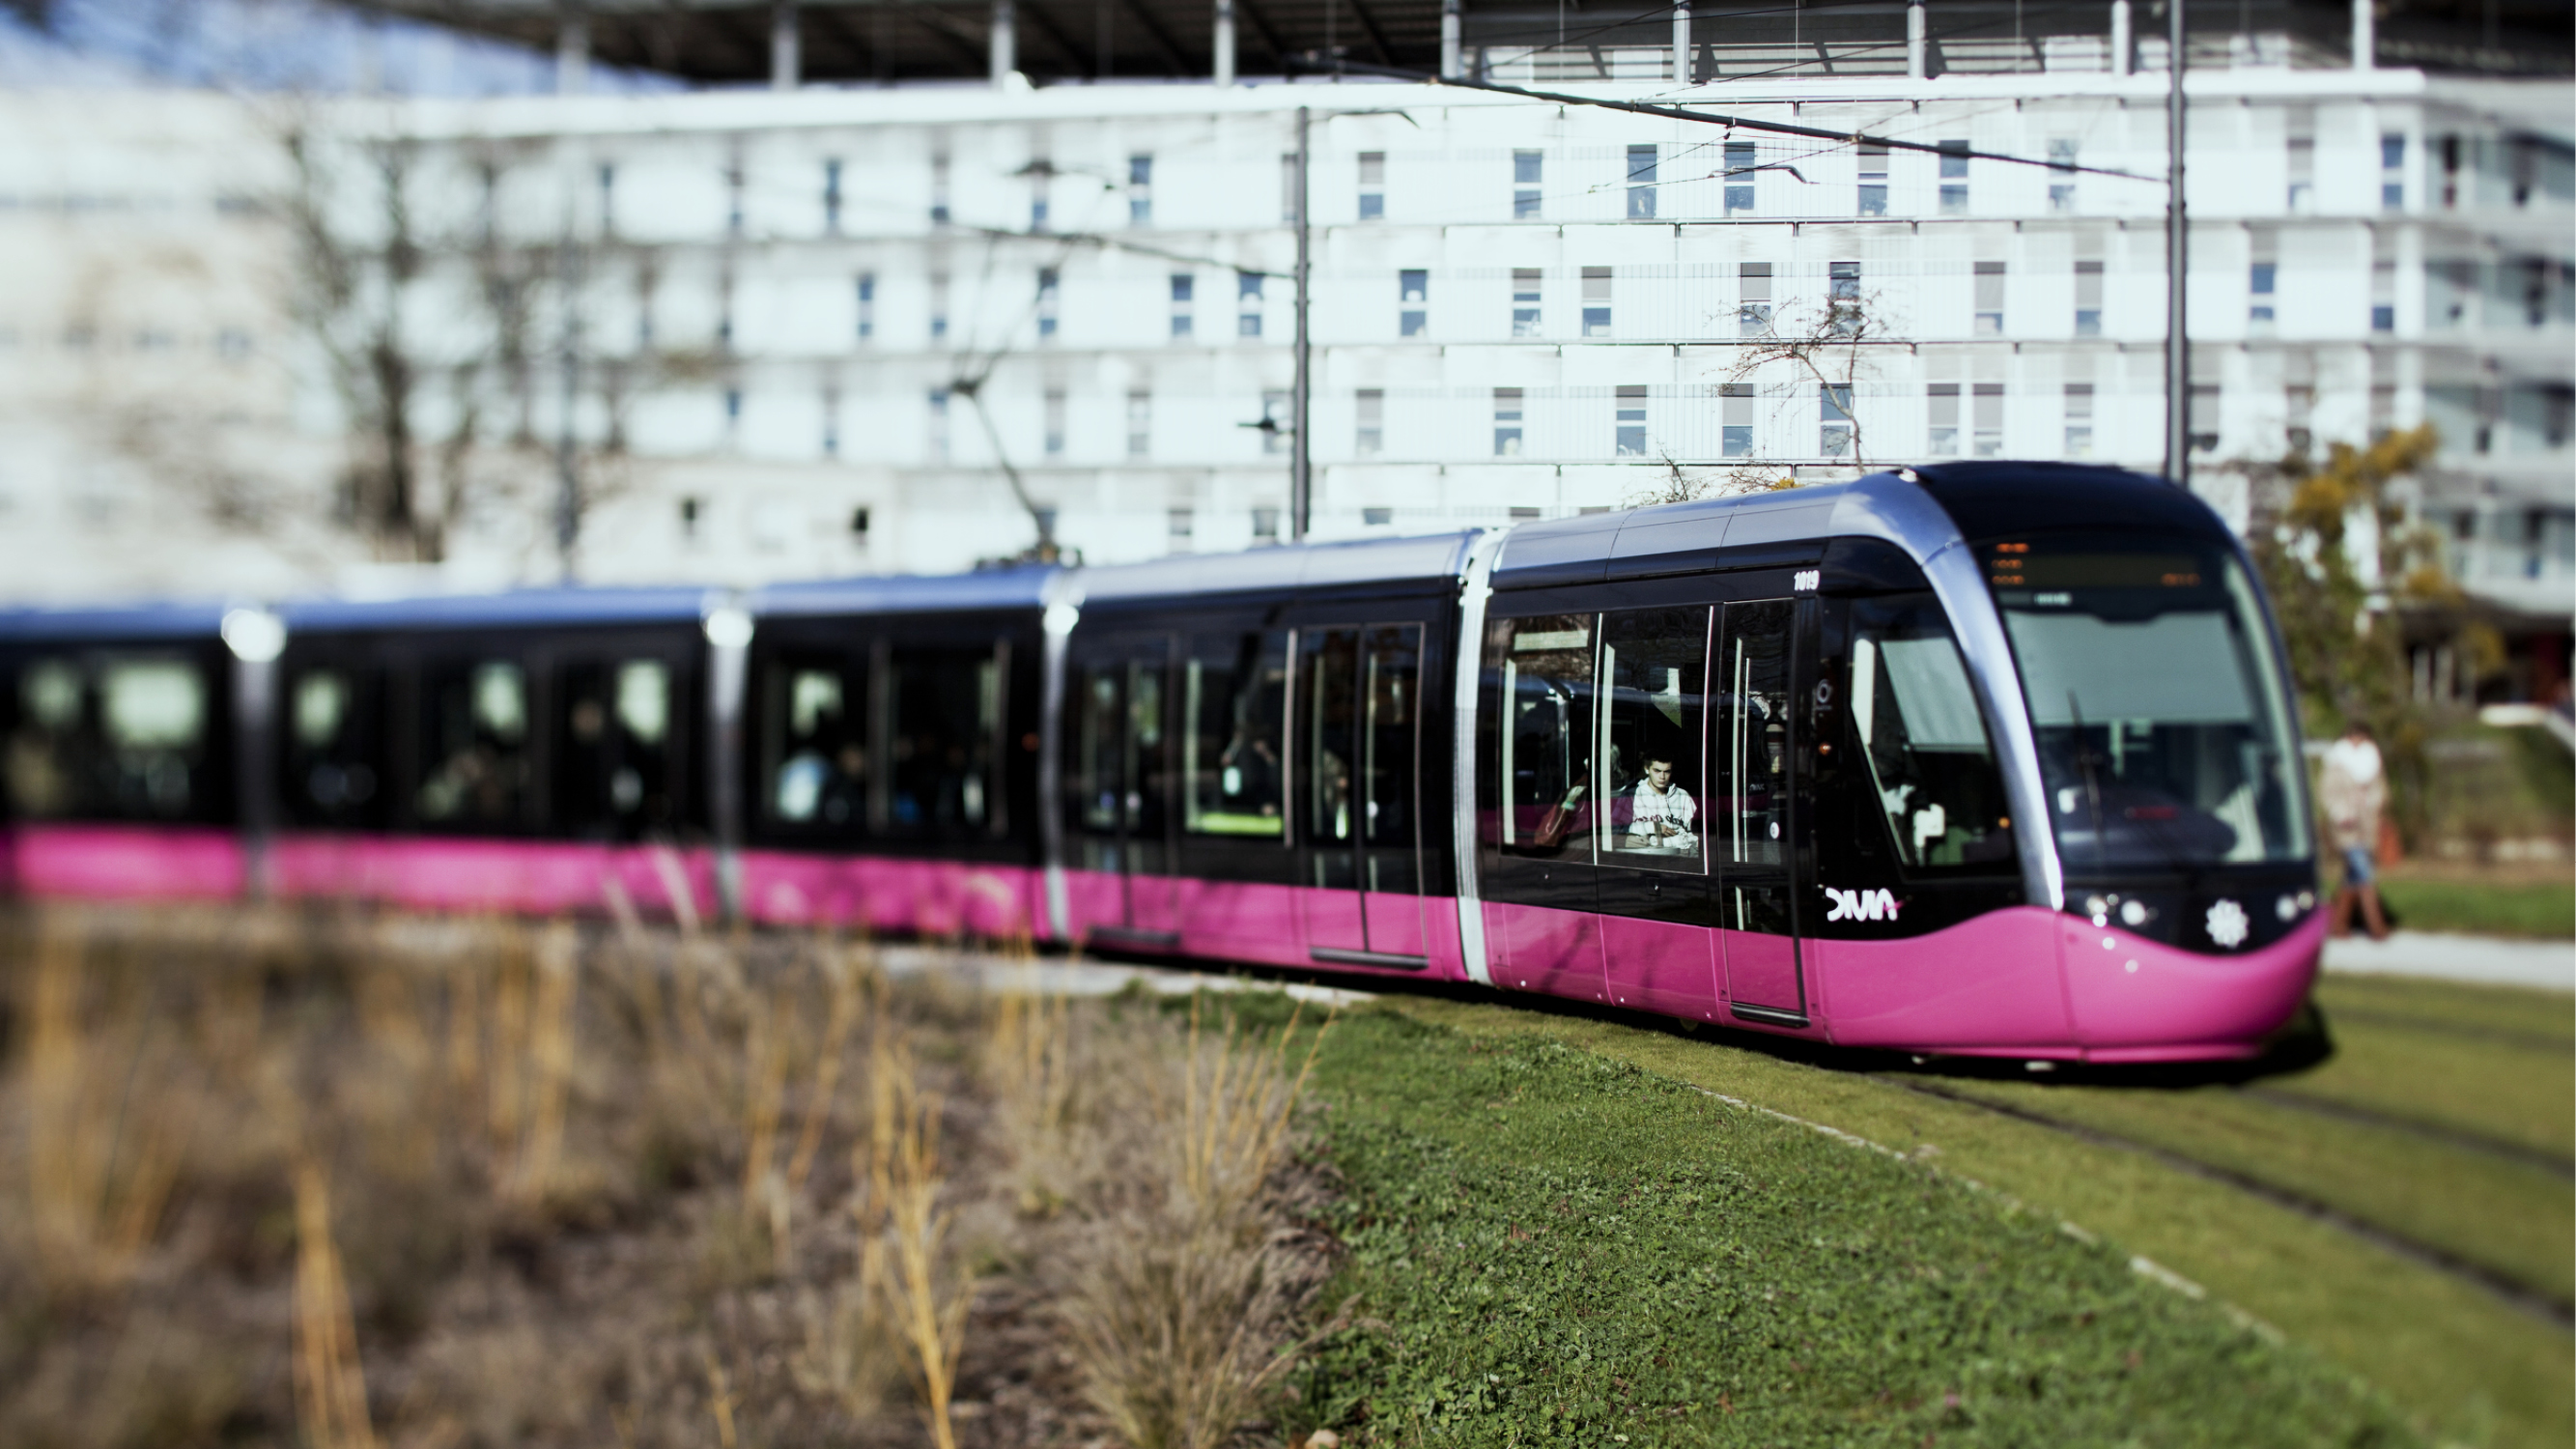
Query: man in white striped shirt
x,y
1660,813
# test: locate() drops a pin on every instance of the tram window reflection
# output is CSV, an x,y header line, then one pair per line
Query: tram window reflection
x,y
1543,756
120,737
814,751
943,724
1235,692
476,743
332,774
1654,665
1922,737
613,775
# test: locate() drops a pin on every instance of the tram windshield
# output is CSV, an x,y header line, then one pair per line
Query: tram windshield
x,y
2163,728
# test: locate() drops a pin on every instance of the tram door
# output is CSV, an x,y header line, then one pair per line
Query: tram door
x,y
1758,746
1120,786
1360,720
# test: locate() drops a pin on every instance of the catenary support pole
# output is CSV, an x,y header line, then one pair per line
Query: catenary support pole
x,y
1301,459
1224,46
1004,53
786,49
1452,41
1682,43
2124,60
1918,42
572,55
2177,261
2365,36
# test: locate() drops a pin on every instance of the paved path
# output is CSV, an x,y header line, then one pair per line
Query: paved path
x,y
2458,958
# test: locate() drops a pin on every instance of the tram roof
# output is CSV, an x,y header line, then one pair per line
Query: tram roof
x,y
520,607
1022,587
109,622
1288,569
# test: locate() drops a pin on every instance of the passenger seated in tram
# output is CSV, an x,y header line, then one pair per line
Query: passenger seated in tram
x,y
1661,814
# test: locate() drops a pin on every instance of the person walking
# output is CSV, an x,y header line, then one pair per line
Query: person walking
x,y
2356,791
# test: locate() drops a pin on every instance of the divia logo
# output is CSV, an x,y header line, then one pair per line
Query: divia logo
x,y
1860,905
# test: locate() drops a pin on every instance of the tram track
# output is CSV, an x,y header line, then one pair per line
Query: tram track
x,y
2556,1163
2514,1293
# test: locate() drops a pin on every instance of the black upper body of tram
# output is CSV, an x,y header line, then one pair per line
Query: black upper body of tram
x,y
116,716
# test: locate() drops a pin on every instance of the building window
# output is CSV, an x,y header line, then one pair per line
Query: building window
x,y
1525,295
2079,420
1369,439
1842,299
1247,304
2202,419
1140,424
1413,302
1753,299
2303,174
831,424
2392,172
607,198
1873,178
2263,284
867,305
1183,523
1630,422
1941,410
2061,175
939,425
1641,183
1265,525
1276,424
1990,299
938,307
732,407
1372,186
1739,177
2088,299
1525,184
1184,303
1596,301
831,195
232,344
733,199
1954,178
2383,296
1507,422
1735,419
1288,188
1834,415
1055,415
859,527
1140,190
1050,299
1987,408
2298,410
938,191
689,511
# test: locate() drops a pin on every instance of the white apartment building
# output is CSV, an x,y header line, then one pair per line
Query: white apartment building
x,y
1522,309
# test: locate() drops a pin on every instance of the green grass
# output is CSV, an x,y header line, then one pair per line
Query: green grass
x,y
2539,910
1549,1245
2499,1062
2462,1365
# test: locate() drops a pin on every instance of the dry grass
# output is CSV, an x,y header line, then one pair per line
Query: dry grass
x,y
350,1180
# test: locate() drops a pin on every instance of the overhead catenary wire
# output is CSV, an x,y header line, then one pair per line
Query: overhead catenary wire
x,y
1715,118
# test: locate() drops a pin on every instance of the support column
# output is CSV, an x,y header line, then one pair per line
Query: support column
x,y
2124,57
1224,46
1682,43
1918,44
2365,36
1452,64
572,55
1005,42
786,50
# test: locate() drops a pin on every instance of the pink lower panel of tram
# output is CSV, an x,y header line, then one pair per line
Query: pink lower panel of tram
x,y
124,862
1989,982
525,877
1262,923
2137,1000
891,894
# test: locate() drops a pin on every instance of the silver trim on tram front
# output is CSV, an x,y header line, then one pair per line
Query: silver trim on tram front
x,y
1475,589
1904,514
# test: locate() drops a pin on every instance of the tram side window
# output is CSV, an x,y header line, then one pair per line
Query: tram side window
x,y
1752,685
613,774
1923,738
1541,670
1654,665
943,729
332,738
1235,697
120,739
475,747
814,744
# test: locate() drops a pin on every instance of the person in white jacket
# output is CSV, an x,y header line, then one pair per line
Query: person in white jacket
x,y
2355,788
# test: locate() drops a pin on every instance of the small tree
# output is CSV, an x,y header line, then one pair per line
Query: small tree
x,y
1824,348
2342,615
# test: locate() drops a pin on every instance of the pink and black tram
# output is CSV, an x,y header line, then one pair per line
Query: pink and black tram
x,y
1980,759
